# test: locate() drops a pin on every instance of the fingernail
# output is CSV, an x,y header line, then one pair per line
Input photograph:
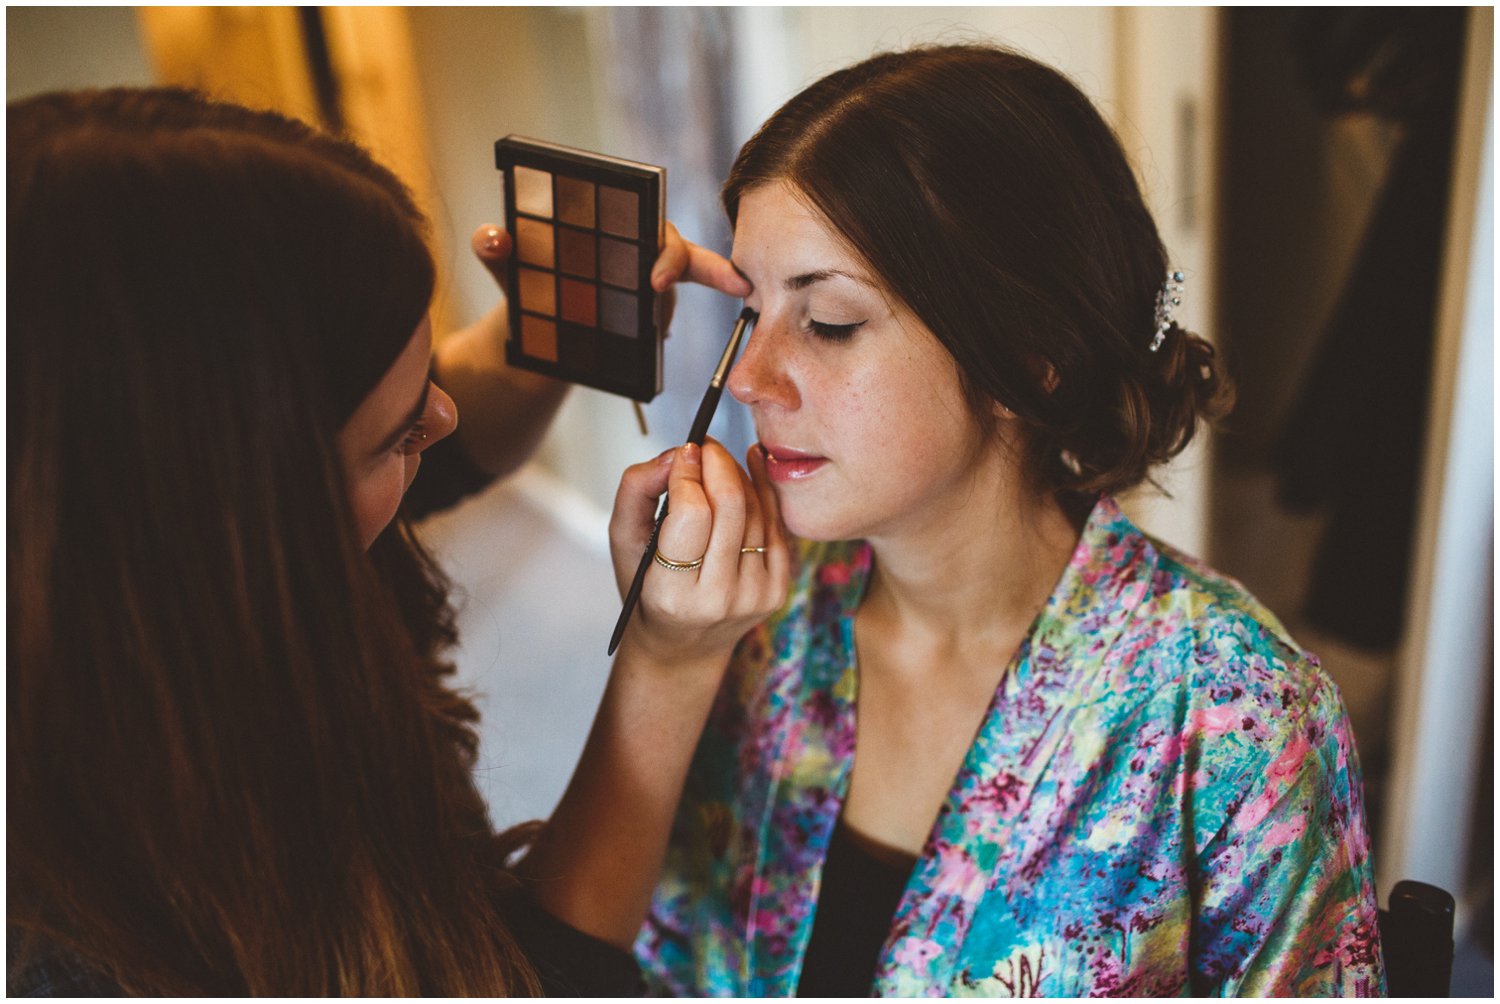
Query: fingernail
x,y
690,453
666,456
492,239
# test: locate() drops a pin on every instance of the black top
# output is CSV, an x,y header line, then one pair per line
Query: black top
x,y
568,962
862,886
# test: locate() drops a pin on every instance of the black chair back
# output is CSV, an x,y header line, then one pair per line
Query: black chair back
x,y
1416,937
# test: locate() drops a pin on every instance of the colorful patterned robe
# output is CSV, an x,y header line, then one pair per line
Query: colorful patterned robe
x,y
1163,799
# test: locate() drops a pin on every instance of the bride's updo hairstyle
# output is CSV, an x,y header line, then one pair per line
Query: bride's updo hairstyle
x,y
988,194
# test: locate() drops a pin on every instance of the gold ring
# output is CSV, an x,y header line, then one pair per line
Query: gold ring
x,y
676,566
752,550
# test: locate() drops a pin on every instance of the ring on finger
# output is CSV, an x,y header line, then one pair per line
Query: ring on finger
x,y
752,550
675,566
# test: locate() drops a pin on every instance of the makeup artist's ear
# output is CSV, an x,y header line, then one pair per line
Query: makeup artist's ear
x,y
492,246
683,260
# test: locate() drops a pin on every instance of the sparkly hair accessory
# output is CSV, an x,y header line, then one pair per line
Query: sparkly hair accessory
x,y
1167,298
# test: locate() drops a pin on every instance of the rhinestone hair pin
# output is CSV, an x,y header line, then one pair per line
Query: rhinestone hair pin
x,y
1168,298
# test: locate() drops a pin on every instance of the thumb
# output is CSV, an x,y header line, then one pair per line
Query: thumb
x,y
492,246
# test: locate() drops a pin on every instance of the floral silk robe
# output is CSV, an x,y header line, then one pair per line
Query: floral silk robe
x,y
1163,799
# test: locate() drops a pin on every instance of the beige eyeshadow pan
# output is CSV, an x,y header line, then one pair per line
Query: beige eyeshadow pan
x,y
534,191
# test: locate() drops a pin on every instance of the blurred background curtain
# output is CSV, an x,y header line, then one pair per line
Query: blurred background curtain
x,y
671,73
1353,443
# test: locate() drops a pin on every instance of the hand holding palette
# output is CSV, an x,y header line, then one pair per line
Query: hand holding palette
x,y
587,231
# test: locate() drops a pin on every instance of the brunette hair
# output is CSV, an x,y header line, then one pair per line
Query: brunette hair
x,y
992,199
233,765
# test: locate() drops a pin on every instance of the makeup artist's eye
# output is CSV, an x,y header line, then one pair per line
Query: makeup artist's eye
x,y
413,438
833,332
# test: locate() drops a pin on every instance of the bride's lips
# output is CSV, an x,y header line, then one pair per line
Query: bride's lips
x,y
785,464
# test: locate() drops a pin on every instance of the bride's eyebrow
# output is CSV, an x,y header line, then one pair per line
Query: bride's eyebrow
x,y
806,279
798,282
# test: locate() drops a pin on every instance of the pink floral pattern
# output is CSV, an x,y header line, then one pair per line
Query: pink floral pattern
x,y
1164,799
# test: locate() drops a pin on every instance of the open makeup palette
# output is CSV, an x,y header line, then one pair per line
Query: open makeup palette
x,y
587,230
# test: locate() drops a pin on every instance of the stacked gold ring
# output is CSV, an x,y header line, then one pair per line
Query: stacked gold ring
x,y
675,566
752,550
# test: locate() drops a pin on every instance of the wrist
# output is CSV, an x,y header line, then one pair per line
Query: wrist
x,y
652,662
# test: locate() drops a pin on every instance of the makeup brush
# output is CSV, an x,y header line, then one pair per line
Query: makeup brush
x,y
699,431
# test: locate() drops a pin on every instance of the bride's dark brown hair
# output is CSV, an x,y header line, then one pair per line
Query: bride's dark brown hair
x,y
991,198
233,765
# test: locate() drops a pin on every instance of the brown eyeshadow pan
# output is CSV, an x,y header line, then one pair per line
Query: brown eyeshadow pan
x,y
538,291
619,263
575,201
579,302
539,338
619,211
575,252
586,227
534,242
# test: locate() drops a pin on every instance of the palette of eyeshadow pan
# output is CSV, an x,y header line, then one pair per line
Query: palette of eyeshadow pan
x,y
587,229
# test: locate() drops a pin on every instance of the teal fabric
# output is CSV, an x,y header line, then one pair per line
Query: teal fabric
x,y
1163,799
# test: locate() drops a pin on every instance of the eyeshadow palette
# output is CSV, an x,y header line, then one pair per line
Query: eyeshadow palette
x,y
587,230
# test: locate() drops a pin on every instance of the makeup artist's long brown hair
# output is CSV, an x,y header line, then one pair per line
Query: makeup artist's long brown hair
x,y
990,196
233,765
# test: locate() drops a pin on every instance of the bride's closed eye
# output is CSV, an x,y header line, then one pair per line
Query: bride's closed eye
x,y
833,332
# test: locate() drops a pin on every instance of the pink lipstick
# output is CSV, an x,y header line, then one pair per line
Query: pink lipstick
x,y
785,464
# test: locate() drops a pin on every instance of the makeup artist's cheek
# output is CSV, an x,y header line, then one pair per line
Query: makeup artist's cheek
x,y
413,463
375,496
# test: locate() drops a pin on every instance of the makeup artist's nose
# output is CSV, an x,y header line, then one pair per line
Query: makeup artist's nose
x,y
440,418
760,377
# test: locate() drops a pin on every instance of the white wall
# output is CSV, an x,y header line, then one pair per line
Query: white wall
x,y
1446,668
62,48
1167,62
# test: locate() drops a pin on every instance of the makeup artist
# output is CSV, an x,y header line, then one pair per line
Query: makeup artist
x,y
234,766
999,741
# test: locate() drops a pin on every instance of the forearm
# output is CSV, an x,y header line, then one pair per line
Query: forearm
x,y
599,856
503,412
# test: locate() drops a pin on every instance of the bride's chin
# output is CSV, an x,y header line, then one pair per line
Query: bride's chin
x,y
807,524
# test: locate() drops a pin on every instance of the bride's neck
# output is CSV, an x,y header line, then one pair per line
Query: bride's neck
x,y
980,566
